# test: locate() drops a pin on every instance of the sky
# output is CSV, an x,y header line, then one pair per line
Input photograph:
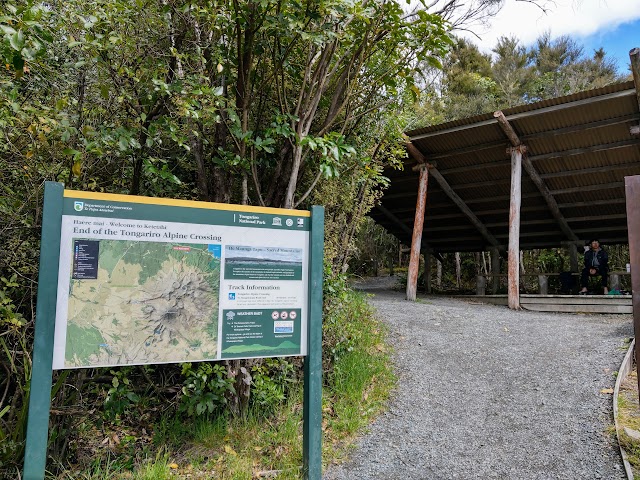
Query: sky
x,y
611,24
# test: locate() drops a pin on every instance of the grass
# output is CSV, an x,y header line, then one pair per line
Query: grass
x,y
358,380
629,417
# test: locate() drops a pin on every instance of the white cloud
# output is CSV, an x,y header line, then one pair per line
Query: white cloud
x,y
576,18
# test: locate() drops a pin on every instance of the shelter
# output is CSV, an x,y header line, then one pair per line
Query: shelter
x,y
576,151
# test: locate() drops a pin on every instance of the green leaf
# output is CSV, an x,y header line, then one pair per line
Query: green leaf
x,y
17,40
7,30
18,64
77,168
133,397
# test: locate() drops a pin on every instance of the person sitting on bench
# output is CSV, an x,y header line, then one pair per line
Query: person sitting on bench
x,y
595,263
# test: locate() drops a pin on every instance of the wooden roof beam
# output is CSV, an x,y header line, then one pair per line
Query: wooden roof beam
x,y
417,155
611,201
507,129
505,162
444,216
582,127
594,148
536,158
544,221
589,171
589,188
569,173
634,56
535,177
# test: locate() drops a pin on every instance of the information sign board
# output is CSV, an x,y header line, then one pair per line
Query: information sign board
x,y
127,280
144,280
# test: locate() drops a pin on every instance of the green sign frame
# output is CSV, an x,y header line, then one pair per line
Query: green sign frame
x,y
57,204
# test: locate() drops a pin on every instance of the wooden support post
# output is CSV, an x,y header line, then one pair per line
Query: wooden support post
x,y
573,257
632,190
481,285
514,228
634,56
495,270
416,239
543,283
427,270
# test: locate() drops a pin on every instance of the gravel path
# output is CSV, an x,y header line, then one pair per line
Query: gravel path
x,y
489,393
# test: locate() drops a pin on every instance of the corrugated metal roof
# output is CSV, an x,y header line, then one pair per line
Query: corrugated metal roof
x,y
580,145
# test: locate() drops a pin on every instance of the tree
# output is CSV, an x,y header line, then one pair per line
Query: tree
x,y
511,70
561,68
262,102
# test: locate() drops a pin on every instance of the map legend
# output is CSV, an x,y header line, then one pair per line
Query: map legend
x,y
85,259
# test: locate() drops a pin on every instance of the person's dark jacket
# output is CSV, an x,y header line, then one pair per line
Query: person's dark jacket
x,y
601,255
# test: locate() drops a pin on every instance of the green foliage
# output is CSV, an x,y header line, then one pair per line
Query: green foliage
x,y
121,397
552,260
205,388
357,363
375,248
271,381
474,83
13,404
24,36
10,318
267,103
340,335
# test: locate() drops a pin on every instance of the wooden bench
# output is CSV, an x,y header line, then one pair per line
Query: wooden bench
x,y
543,280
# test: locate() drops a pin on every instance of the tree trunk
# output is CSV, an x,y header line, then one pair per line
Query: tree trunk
x,y
293,177
201,172
439,273
458,270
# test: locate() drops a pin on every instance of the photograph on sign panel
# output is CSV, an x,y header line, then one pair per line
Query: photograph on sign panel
x,y
133,302
262,263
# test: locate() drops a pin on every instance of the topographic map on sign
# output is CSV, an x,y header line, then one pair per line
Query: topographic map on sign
x,y
150,303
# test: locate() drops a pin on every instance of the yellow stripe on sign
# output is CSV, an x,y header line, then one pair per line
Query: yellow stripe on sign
x,y
172,202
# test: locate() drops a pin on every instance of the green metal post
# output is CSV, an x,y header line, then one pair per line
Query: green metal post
x,y
35,456
312,426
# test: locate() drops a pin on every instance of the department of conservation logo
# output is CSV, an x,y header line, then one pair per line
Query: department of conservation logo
x,y
78,206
